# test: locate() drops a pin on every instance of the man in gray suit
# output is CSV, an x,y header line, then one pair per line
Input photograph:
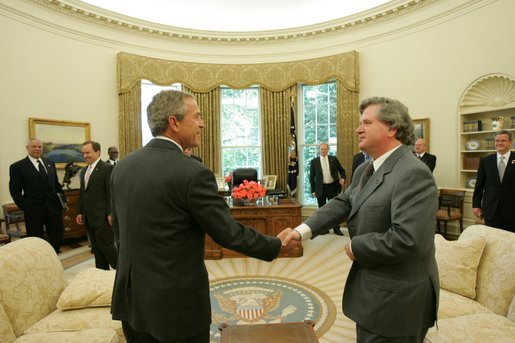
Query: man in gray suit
x,y
164,203
392,289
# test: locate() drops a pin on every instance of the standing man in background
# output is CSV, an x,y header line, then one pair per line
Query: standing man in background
x,y
323,179
494,193
392,289
420,152
94,208
113,155
164,203
34,187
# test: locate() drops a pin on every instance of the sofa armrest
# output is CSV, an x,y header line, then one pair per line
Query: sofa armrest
x,y
511,310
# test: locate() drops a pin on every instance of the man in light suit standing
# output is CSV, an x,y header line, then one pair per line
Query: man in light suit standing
x,y
94,208
324,179
34,185
164,203
392,288
494,193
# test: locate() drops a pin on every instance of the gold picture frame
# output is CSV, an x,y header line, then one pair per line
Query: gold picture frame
x,y
62,140
220,182
270,181
421,130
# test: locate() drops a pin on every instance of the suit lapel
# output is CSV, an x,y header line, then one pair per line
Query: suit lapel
x,y
376,179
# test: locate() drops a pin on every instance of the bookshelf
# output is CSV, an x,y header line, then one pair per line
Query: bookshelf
x,y
489,98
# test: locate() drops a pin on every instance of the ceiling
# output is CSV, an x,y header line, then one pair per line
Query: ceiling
x,y
237,15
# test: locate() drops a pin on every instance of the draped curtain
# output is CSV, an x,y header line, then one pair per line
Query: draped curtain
x,y
275,107
278,81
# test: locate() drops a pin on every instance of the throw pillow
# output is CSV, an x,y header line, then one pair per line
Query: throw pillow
x,y
457,264
90,288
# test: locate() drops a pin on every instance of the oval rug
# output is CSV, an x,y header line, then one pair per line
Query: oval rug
x,y
261,300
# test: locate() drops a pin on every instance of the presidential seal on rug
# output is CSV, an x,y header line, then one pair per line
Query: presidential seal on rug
x,y
262,300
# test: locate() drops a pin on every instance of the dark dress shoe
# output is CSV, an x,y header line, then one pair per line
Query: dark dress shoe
x,y
337,232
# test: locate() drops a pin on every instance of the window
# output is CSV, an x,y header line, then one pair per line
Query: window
x,y
148,90
318,124
240,129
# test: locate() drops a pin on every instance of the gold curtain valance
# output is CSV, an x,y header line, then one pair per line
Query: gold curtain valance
x,y
203,77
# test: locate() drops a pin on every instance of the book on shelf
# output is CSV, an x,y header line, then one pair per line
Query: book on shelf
x,y
489,144
470,163
472,125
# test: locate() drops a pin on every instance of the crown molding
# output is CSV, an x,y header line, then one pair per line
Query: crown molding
x,y
112,20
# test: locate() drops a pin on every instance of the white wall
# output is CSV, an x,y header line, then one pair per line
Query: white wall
x,y
67,71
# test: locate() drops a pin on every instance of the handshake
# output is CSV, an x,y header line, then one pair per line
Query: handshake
x,y
290,240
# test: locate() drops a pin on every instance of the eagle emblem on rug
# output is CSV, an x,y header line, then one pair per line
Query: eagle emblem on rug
x,y
251,305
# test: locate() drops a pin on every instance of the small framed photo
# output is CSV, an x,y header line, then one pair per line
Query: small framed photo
x,y
220,181
270,181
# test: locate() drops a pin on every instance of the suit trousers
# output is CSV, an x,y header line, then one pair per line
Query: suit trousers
x,y
37,223
142,337
103,247
329,191
499,221
365,336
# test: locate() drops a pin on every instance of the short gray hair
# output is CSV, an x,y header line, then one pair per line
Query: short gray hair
x,y
503,132
394,114
163,105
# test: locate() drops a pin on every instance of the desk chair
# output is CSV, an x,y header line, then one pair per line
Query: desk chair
x,y
450,208
14,221
240,174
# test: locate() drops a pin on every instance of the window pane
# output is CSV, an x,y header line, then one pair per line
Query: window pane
x,y
318,117
240,129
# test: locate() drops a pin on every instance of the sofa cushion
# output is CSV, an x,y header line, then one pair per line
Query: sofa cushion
x,y
455,305
90,336
496,273
474,328
511,310
6,329
458,262
75,320
90,288
31,281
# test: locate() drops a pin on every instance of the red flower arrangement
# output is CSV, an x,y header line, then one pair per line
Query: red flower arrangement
x,y
248,190
228,178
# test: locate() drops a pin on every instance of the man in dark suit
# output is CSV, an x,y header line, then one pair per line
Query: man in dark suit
x,y
113,155
392,289
494,193
323,178
164,203
357,160
94,207
34,187
420,152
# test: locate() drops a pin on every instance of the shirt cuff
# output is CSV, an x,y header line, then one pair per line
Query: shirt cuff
x,y
304,231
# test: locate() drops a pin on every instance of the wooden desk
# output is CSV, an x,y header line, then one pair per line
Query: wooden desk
x,y
269,220
269,333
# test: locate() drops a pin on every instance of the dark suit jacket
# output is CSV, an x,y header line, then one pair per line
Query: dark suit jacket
x,y
164,203
316,177
95,200
357,160
391,222
31,192
490,193
429,160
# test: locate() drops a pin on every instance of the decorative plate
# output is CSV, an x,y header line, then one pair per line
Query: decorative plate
x,y
471,182
473,144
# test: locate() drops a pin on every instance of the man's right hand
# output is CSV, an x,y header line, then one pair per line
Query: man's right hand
x,y
478,212
288,235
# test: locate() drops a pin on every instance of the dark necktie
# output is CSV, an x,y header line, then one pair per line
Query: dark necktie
x,y
41,169
369,171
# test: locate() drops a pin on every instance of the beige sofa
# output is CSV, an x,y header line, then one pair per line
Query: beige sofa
x,y
37,304
477,297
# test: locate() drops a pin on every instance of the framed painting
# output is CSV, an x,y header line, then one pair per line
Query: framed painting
x,y
422,130
270,182
62,140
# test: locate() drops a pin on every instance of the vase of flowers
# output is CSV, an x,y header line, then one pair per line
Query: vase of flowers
x,y
248,192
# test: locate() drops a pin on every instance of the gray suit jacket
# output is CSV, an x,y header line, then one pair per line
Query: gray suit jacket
x,y
163,205
392,289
